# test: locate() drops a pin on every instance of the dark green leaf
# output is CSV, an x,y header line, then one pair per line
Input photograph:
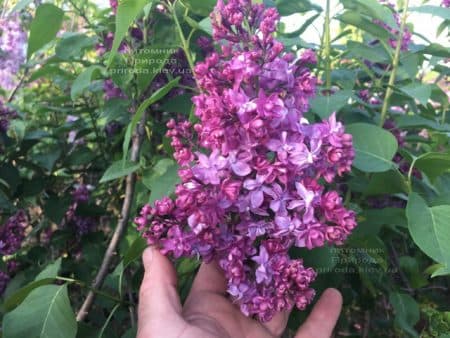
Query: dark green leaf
x,y
119,169
433,164
371,8
179,104
56,207
72,45
371,53
149,63
355,19
161,180
127,12
407,312
83,81
134,252
156,96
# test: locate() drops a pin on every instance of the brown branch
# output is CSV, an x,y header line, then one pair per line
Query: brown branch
x,y
131,307
121,225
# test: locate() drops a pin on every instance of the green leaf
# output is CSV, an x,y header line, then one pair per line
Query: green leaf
x,y
418,91
51,271
206,25
388,182
436,49
156,96
372,53
134,252
355,19
18,296
386,216
374,147
149,63
73,44
288,7
414,121
161,180
407,312
127,12
56,207
44,27
45,313
413,271
200,7
344,78
322,260
433,164
371,8
83,81
325,105
179,104
429,228
433,10
17,130
119,169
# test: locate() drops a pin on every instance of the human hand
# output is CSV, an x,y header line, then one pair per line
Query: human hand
x,y
209,313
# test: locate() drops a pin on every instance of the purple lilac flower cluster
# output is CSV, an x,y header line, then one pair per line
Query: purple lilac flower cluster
x,y
6,114
12,50
252,168
395,31
12,233
445,3
80,224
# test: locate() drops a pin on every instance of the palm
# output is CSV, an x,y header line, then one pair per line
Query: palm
x,y
208,312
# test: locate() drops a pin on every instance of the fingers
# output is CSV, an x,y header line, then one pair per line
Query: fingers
x,y
158,297
323,318
277,324
209,278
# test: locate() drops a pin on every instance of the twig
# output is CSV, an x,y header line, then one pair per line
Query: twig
x,y
395,64
400,272
121,225
131,307
16,88
366,324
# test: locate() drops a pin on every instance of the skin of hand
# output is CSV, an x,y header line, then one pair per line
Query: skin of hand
x,y
209,313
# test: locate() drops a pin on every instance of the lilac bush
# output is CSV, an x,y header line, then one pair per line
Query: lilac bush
x,y
254,170
12,50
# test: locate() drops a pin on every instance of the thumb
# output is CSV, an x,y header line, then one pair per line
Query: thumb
x,y
323,317
158,296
